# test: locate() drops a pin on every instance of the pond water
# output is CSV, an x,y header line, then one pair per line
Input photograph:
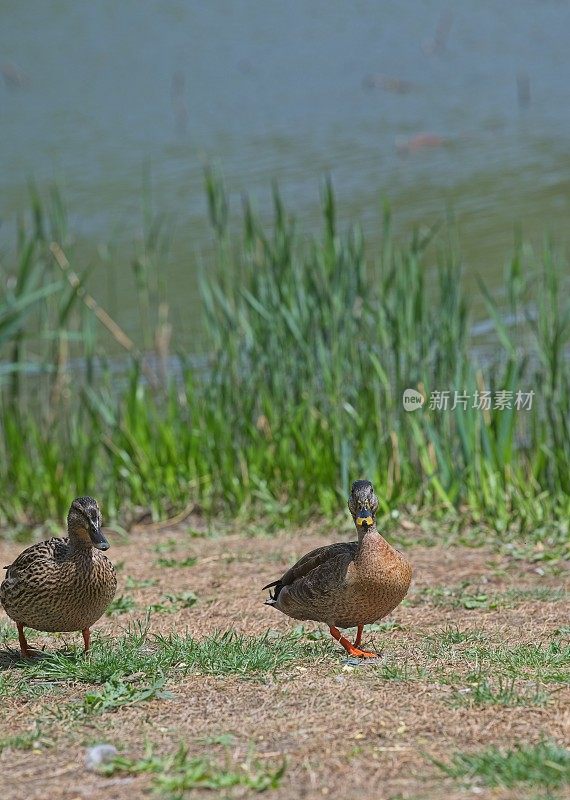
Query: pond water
x,y
435,106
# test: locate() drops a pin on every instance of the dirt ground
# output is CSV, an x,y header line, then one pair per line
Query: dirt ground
x,y
343,730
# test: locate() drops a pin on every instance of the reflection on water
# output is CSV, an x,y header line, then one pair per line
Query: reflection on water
x,y
433,105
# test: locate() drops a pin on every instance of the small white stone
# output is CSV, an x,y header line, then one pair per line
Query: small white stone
x,y
99,754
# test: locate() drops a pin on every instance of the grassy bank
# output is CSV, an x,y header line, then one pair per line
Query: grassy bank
x,y
312,345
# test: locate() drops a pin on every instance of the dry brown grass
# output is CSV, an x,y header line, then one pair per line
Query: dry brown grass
x,y
344,731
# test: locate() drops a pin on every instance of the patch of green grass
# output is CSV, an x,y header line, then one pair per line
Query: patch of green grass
x,y
453,636
169,546
222,739
499,691
301,632
550,663
472,689
479,672
384,627
6,685
121,605
116,694
193,533
139,583
108,660
189,561
180,773
21,741
230,653
463,596
545,764
539,594
137,667
8,630
402,671
12,684
538,663
151,657
174,602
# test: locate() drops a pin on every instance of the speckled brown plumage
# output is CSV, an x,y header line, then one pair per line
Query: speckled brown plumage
x,y
346,584
62,584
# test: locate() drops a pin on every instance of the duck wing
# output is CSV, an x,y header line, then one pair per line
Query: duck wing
x,y
314,572
33,561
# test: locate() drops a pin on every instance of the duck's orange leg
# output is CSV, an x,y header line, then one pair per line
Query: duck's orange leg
x,y
86,638
350,648
24,649
358,635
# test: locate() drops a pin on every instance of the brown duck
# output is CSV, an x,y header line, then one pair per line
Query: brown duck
x,y
62,584
348,584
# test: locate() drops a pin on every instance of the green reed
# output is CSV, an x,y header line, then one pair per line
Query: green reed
x,y
312,343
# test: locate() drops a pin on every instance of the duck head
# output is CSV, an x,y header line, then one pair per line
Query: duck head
x,y
84,523
363,505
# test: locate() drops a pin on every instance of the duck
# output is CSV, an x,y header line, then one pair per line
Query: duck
x,y
62,584
346,584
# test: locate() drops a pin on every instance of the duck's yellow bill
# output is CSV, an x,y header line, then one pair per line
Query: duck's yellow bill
x,y
361,520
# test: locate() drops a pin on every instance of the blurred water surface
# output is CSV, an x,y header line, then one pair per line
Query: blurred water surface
x,y
435,106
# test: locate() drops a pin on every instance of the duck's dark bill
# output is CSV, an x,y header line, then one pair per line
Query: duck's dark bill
x,y
98,540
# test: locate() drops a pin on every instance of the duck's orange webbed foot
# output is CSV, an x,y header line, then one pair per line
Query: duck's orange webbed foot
x,y
351,649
